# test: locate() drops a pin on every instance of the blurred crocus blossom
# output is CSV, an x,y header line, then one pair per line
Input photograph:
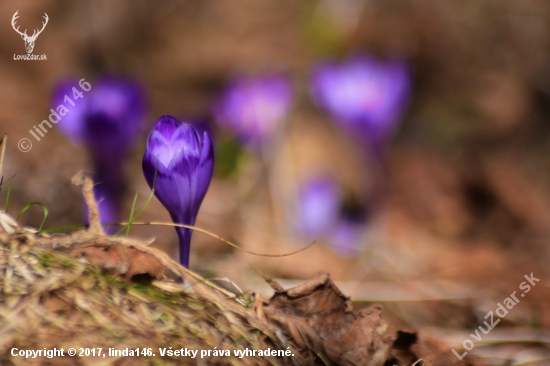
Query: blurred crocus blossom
x,y
319,216
318,206
346,237
106,121
178,163
365,95
253,107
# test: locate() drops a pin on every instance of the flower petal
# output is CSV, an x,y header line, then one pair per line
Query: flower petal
x,y
72,124
167,126
365,95
253,107
185,138
183,164
151,166
319,205
106,119
159,147
206,164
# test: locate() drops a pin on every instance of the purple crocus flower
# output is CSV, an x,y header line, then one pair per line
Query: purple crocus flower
x,y
253,107
365,95
318,206
106,120
183,162
320,216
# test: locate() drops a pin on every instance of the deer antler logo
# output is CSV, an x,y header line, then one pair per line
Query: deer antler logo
x,y
29,40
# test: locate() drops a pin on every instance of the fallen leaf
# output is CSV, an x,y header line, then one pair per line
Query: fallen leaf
x,y
319,317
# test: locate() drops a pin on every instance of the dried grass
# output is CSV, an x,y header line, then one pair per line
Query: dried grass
x,y
49,299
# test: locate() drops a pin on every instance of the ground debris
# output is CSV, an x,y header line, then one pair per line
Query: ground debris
x,y
126,261
50,298
321,321
53,296
78,291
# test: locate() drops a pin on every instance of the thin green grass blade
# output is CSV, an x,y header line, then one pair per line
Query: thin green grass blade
x,y
44,208
131,215
132,219
67,228
8,197
150,196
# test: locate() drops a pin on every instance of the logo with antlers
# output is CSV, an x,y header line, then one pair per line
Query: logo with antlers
x,y
29,40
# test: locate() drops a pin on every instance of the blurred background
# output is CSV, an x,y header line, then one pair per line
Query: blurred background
x,y
438,212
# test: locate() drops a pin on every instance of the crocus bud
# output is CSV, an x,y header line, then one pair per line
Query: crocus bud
x,y
253,107
183,162
366,96
105,119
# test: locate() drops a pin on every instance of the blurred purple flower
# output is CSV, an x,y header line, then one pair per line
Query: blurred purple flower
x,y
184,162
253,107
346,237
318,206
366,96
320,216
108,118
105,120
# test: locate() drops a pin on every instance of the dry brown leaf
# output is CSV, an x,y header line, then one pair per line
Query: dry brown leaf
x,y
320,317
320,320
